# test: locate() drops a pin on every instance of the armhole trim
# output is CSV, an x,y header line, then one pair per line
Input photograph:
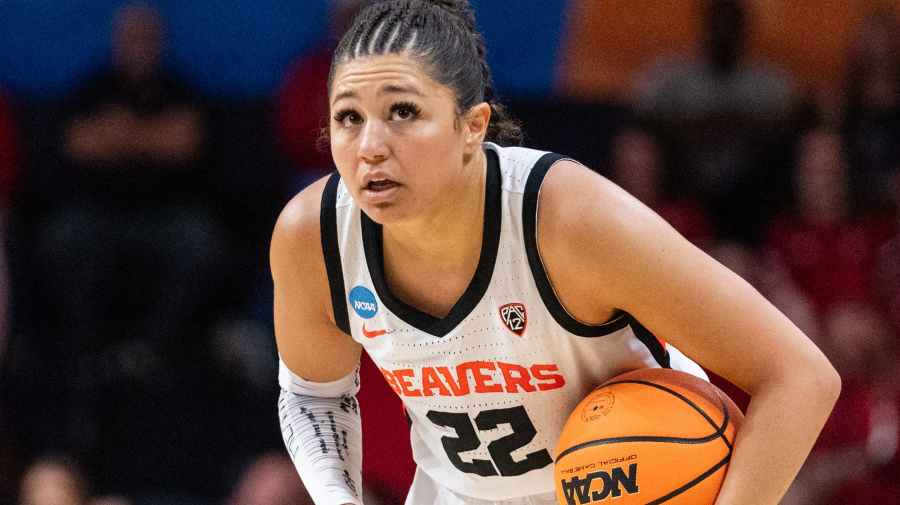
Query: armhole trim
x,y
620,319
656,346
332,252
545,289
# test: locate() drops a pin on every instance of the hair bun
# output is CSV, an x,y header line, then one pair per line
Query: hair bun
x,y
452,5
462,9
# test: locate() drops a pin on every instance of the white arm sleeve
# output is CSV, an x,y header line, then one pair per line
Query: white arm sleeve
x,y
322,431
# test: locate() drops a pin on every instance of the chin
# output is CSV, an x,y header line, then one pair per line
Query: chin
x,y
385,214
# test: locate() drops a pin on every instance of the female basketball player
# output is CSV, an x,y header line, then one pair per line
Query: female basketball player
x,y
495,287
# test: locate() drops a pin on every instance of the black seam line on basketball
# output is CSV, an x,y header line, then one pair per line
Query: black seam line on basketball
x,y
725,410
720,431
726,413
332,252
692,483
683,398
559,313
636,438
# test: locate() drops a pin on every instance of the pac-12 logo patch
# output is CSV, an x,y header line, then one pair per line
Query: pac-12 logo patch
x,y
363,302
513,316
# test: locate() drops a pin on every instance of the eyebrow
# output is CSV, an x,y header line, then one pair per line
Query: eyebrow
x,y
390,89
393,89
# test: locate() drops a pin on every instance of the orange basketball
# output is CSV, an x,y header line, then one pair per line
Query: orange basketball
x,y
647,437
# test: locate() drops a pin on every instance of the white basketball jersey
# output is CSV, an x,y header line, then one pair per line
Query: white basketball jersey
x,y
487,388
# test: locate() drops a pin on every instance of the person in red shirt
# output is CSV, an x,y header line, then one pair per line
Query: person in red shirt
x,y
887,264
856,458
638,165
301,109
9,147
825,243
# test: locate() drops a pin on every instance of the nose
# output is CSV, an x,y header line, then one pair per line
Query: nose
x,y
373,145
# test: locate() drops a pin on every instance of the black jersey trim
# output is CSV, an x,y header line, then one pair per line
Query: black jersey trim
x,y
657,349
332,252
545,289
619,320
490,242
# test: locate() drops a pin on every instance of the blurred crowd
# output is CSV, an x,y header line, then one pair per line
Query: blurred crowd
x,y
137,357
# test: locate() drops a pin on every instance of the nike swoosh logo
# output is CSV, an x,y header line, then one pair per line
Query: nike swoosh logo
x,y
373,334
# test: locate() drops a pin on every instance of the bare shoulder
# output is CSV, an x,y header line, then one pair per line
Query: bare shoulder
x,y
309,341
577,203
604,250
297,229
584,216
600,244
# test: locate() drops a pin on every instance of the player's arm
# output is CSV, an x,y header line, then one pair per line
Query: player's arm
x,y
604,250
309,341
318,374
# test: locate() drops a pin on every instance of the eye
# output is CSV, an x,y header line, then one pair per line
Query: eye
x,y
404,111
348,118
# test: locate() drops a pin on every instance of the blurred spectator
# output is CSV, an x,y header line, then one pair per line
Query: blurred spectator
x,y
130,256
136,139
638,166
302,108
270,480
9,170
873,105
771,279
58,480
825,242
54,480
856,458
724,116
773,282
857,340
887,273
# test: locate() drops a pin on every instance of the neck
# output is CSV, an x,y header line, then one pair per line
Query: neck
x,y
450,234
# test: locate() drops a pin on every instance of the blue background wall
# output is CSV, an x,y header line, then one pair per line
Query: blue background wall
x,y
239,48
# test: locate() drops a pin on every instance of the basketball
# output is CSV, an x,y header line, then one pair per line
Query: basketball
x,y
650,436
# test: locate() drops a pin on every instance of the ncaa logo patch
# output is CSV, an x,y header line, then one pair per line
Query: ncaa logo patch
x,y
363,302
514,317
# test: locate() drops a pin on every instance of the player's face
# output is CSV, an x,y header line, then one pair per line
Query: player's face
x,y
395,137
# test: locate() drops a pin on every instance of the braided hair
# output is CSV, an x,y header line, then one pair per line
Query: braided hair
x,y
443,36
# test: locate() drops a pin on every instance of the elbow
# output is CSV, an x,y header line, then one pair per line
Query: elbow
x,y
811,379
832,384
825,382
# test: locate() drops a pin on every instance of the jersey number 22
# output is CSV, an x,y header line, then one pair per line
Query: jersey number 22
x,y
500,450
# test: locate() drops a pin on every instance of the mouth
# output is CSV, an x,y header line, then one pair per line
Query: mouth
x,y
380,185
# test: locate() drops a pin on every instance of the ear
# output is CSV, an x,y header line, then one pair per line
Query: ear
x,y
475,126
